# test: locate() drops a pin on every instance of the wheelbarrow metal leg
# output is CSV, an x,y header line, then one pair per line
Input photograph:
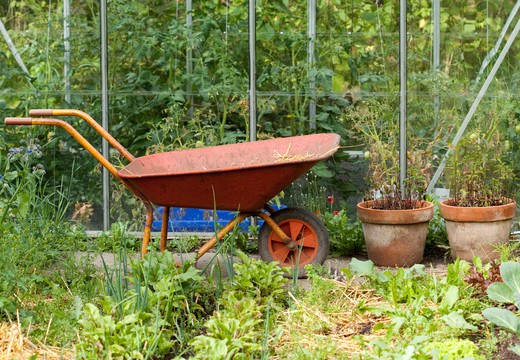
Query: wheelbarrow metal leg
x,y
269,209
223,232
164,227
231,225
291,244
147,229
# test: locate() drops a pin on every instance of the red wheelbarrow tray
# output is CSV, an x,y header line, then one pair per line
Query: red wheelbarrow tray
x,y
242,176
237,177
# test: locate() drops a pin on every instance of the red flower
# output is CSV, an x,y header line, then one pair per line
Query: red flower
x,y
335,212
330,199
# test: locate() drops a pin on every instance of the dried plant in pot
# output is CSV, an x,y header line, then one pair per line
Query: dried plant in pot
x,y
479,214
394,219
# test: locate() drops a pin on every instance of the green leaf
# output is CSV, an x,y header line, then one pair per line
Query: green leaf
x,y
517,299
321,170
379,343
130,319
24,203
361,268
510,272
11,175
469,28
503,318
500,292
457,321
515,349
451,297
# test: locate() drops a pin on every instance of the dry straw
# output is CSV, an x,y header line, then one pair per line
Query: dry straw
x,y
310,327
15,344
287,157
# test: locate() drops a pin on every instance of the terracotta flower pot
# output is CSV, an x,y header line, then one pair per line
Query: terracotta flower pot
x,y
395,237
477,231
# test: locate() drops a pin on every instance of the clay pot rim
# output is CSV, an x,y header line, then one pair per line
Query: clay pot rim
x,y
477,213
395,217
360,205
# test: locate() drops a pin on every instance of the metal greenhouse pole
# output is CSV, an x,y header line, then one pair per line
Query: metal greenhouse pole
x,y
252,70
403,50
436,51
189,56
16,55
104,109
311,33
66,49
494,51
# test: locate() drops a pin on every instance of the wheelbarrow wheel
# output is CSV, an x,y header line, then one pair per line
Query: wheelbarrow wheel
x,y
306,230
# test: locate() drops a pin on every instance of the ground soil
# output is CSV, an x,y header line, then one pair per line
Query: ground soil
x,y
503,352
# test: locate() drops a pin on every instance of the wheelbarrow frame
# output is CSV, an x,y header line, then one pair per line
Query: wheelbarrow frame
x,y
39,117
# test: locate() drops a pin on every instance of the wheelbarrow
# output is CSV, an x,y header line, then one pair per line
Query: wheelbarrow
x,y
240,177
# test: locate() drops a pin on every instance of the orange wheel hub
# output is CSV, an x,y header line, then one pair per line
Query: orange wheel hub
x,y
306,241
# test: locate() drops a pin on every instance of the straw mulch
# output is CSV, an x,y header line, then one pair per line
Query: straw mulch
x,y
15,344
313,326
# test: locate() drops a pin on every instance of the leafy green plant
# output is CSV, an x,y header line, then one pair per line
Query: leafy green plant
x,y
345,236
453,349
477,174
152,312
115,240
246,313
308,193
481,276
235,330
437,235
450,312
507,292
20,179
260,280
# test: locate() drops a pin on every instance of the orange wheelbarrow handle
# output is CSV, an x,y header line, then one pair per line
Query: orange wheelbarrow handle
x,y
81,114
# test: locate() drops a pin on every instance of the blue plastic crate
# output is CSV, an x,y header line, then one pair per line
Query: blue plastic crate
x,y
196,220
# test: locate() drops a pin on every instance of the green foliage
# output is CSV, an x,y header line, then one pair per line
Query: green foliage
x,y
116,239
477,174
420,304
308,193
377,130
437,235
40,274
345,236
260,280
246,313
150,313
158,309
454,349
506,292
235,330
21,178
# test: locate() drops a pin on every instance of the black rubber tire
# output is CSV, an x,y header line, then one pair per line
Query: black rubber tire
x,y
298,224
